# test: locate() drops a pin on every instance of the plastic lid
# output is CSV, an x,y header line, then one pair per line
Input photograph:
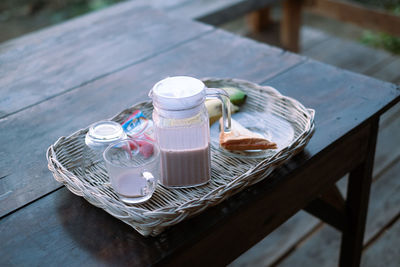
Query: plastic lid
x,y
102,133
178,93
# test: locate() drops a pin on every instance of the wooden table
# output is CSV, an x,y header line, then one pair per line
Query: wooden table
x,y
58,80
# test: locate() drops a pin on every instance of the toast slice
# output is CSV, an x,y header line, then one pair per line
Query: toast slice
x,y
240,138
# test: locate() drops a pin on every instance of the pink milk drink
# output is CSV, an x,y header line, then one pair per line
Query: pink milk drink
x,y
182,130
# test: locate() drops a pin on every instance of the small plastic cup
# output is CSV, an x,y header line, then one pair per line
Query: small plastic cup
x,y
99,136
133,169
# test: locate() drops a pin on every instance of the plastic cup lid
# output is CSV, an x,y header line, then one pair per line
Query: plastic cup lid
x,y
178,93
103,133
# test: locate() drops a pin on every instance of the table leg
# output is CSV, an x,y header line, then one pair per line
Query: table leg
x,y
290,25
259,20
357,205
329,207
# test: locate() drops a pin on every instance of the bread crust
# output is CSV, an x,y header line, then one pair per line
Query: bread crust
x,y
240,138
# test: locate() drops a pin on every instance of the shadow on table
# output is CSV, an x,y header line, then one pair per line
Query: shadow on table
x,y
100,238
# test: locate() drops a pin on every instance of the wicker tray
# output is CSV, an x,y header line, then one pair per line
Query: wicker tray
x,y
167,207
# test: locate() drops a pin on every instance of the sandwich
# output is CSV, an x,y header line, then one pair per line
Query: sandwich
x,y
240,138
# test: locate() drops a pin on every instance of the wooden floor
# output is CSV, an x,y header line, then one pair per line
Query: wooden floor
x,y
306,241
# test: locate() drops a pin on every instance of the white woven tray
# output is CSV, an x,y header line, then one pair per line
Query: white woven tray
x,y
230,174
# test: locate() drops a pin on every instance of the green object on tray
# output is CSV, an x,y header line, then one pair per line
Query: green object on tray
x,y
236,95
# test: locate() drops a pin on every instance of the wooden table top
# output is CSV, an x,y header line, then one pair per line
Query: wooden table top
x,y
63,78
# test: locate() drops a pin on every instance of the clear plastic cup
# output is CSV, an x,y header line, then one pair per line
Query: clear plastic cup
x,y
133,168
99,136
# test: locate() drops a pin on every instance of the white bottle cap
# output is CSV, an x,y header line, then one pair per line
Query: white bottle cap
x,y
178,97
103,133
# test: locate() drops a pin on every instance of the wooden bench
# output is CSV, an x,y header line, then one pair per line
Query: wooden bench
x,y
359,14
217,12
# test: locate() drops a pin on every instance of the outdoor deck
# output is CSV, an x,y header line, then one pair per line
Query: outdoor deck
x,y
305,240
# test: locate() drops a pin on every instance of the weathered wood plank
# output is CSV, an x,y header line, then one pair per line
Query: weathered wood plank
x,y
216,12
388,71
64,57
261,253
347,54
361,89
57,31
210,12
322,248
345,89
382,151
289,235
308,255
359,14
72,215
376,63
250,70
280,242
386,250
385,201
111,94
384,67
311,37
387,152
276,244
54,239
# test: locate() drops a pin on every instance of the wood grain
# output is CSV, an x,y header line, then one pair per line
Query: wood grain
x,y
361,15
322,248
308,254
347,55
387,71
389,245
267,207
352,97
384,202
76,231
324,244
329,129
278,243
310,37
216,12
105,97
386,152
75,226
290,26
57,59
357,198
63,58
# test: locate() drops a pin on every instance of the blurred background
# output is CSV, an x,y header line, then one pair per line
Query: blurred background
x,y
18,17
